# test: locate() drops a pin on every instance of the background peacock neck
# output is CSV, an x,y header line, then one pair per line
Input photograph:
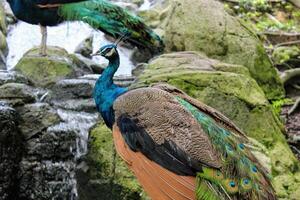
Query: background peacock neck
x,y
106,92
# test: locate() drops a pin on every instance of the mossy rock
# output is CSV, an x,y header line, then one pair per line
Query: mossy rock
x,y
3,26
233,92
3,50
201,25
108,176
45,71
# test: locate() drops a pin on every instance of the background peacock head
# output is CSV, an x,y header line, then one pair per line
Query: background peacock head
x,y
107,51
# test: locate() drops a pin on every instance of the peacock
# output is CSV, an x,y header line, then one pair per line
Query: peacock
x,y
177,147
100,14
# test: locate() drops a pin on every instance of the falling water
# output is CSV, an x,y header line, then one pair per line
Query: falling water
x,y
80,123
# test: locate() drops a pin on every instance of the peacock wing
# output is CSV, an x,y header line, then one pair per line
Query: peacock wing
x,y
217,115
241,175
114,21
153,122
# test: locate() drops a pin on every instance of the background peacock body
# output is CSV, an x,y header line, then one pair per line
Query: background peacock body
x,y
100,14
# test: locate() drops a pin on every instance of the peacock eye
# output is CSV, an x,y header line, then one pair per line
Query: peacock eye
x,y
232,184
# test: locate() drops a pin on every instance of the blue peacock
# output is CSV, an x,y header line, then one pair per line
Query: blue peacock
x,y
178,147
100,14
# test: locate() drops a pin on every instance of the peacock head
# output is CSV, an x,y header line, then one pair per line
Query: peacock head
x,y
108,51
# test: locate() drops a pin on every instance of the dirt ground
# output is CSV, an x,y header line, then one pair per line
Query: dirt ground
x,y
292,126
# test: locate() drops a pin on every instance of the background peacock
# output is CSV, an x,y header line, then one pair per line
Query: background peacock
x,y
178,147
100,14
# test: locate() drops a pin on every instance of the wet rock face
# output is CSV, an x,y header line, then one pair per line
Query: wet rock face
x,y
39,145
11,150
17,93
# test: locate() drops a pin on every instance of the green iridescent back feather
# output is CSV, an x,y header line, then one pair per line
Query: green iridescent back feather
x,y
114,21
241,176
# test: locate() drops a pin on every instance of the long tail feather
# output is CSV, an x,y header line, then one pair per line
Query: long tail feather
x,y
114,21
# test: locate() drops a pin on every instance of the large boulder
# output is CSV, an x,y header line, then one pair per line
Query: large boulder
x,y
44,71
231,90
201,25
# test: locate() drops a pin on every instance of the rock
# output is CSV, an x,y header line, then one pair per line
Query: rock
x,y
12,77
46,71
73,89
140,56
90,64
11,148
138,2
107,176
52,145
36,118
3,26
232,91
200,25
48,167
3,43
80,105
17,93
47,180
122,80
283,54
85,48
3,51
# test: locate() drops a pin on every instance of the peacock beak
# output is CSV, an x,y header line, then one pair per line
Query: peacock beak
x,y
97,53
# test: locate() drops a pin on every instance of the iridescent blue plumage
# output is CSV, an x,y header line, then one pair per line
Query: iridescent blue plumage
x,y
105,91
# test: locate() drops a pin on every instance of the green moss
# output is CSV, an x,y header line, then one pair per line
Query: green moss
x,y
46,71
108,176
277,104
267,75
238,69
283,54
200,25
239,86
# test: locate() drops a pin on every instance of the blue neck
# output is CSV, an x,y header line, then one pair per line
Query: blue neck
x,y
106,78
106,92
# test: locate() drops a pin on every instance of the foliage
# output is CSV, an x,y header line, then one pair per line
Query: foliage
x,y
283,54
277,104
268,16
